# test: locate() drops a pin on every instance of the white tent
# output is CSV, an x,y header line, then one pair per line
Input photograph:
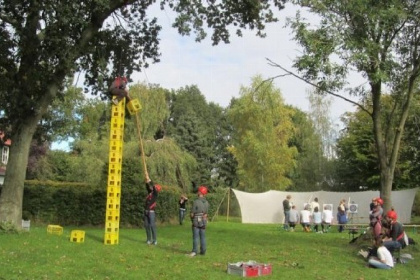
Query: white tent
x,y
267,207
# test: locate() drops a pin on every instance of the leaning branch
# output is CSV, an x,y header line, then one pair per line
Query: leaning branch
x,y
289,73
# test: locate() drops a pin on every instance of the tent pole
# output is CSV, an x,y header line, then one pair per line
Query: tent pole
x,y
227,214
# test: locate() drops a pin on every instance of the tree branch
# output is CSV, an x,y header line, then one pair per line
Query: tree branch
x,y
9,20
289,73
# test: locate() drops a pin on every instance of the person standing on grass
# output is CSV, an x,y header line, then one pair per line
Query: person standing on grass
x,y
327,218
293,218
384,258
199,212
342,215
149,211
287,205
376,217
182,208
314,204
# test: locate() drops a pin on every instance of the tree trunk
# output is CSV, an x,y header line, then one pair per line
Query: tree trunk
x,y
11,198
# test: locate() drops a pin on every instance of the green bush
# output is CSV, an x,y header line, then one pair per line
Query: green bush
x,y
81,204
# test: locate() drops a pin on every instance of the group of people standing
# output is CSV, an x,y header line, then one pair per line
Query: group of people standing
x,y
310,215
198,215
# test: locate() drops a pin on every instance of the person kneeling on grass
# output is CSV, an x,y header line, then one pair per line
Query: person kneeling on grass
x,y
384,258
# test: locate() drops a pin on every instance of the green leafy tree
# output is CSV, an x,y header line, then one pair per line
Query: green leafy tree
x,y
378,39
193,123
262,130
308,172
44,42
357,155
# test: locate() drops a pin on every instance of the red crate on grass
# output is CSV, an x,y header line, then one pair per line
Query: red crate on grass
x,y
243,269
264,269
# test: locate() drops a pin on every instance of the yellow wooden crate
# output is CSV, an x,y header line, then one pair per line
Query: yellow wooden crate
x,y
77,236
55,229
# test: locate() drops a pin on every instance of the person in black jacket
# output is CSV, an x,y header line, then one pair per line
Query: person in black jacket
x,y
182,208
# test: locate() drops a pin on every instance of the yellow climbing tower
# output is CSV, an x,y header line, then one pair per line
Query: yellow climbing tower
x,y
112,218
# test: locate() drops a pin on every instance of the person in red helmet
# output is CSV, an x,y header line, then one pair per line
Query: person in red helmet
x,y
149,211
119,88
376,216
395,235
198,214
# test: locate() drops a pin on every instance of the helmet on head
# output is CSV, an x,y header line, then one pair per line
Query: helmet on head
x,y
391,214
202,190
379,200
158,187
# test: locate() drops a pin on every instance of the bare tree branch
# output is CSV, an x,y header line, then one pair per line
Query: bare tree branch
x,y
290,73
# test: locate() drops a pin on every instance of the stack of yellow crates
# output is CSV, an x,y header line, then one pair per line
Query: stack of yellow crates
x,y
112,219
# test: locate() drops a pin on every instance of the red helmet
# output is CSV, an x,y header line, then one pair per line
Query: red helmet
x,y
379,200
391,214
202,190
158,187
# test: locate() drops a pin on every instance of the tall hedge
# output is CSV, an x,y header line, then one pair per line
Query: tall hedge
x,y
80,204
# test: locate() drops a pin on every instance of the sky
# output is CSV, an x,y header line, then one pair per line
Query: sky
x,y
219,71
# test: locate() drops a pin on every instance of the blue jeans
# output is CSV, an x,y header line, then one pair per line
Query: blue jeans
x,y
181,215
378,264
392,245
286,219
150,226
199,233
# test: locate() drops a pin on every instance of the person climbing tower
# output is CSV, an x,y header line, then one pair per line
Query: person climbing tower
x,y
119,88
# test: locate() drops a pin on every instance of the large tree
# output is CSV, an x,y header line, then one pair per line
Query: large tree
x,y
378,39
43,42
262,128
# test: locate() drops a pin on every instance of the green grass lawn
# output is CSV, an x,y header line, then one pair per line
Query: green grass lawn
x,y
293,255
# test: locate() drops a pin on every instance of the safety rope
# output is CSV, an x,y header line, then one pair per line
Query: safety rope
x,y
141,145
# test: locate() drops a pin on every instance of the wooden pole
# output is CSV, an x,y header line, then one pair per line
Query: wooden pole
x,y
141,145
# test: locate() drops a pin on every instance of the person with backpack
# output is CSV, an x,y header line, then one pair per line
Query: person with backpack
x,y
119,89
199,212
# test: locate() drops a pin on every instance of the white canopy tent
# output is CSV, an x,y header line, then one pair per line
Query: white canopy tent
x,y
267,207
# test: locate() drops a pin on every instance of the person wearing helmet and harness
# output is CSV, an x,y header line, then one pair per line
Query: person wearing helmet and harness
x,y
376,216
119,88
395,236
199,213
149,210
